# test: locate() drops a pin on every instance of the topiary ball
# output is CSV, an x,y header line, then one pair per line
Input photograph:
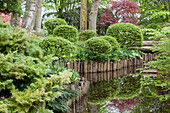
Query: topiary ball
x,y
57,46
86,34
67,32
126,34
50,24
115,45
98,45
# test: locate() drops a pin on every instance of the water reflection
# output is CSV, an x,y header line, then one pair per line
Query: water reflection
x,y
112,92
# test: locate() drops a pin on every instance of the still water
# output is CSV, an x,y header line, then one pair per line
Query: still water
x,y
120,92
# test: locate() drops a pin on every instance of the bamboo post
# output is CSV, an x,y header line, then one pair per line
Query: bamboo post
x,y
111,66
85,66
114,74
94,67
98,67
104,66
108,66
101,68
78,66
75,65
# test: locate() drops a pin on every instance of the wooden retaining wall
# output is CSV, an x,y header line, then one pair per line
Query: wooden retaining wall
x,y
97,67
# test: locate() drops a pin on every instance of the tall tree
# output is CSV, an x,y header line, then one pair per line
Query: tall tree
x,y
15,18
38,15
83,15
29,17
33,15
93,14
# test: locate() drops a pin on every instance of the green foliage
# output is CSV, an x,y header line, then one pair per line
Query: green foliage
x,y
60,104
115,45
51,24
9,6
153,26
67,32
98,49
125,53
11,40
166,31
152,34
57,46
126,34
4,25
86,34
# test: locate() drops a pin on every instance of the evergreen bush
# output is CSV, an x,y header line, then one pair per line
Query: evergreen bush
x,y
115,45
86,34
152,34
98,48
67,32
126,34
153,26
50,24
57,46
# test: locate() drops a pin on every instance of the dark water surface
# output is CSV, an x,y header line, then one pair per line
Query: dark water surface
x,y
120,92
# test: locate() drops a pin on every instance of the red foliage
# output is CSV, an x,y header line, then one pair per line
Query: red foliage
x,y
120,10
5,17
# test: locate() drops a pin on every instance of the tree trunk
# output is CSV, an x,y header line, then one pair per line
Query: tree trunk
x,y
93,15
29,18
15,18
38,17
83,15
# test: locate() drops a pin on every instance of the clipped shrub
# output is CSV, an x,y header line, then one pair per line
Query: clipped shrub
x,y
86,34
98,48
67,32
115,45
126,34
57,46
50,24
153,26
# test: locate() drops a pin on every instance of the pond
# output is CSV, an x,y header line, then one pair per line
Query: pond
x,y
120,92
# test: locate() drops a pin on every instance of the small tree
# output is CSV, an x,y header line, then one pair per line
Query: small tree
x,y
119,11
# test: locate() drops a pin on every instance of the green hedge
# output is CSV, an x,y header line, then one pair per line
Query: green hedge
x,y
98,49
67,32
57,46
50,24
126,34
86,34
115,45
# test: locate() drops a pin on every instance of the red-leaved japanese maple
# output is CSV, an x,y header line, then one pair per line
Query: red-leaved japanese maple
x,y
119,11
5,17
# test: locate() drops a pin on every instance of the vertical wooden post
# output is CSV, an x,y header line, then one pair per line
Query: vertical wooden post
x,y
85,66
94,65
75,65
104,66
101,66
